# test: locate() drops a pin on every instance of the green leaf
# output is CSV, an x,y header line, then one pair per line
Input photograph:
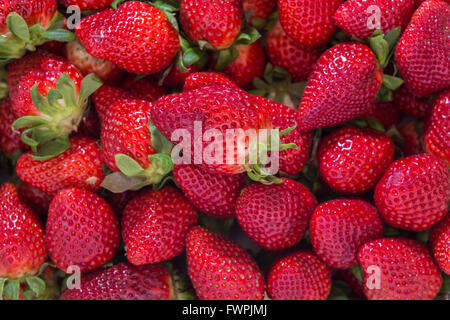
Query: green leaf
x,y
128,166
12,289
288,130
159,141
258,22
357,271
180,64
28,121
18,26
59,35
36,284
393,36
52,149
164,161
223,59
191,56
66,87
117,182
115,3
2,285
54,95
384,94
375,124
445,289
89,85
381,48
391,82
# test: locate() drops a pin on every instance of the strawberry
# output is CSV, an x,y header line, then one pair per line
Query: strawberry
x,y
339,227
36,199
144,88
309,23
343,85
437,133
275,216
119,201
155,225
136,37
410,133
258,11
105,97
440,244
210,193
283,52
49,96
217,23
299,276
419,2
197,80
385,112
81,230
410,104
405,267
87,4
353,16
220,269
414,192
80,166
107,72
422,54
10,141
175,78
352,160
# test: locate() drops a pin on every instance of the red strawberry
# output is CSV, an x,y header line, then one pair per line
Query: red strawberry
x,y
137,37
119,201
352,160
283,52
406,270
202,79
414,193
419,2
343,85
87,4
437,133
124,282
309,23
385,112
9,139
220,269
257,10
105,97
353,16
176,78
339,227
108,72
155,225
299,276
80,166
144,88
440,244
410,104
210,193
410,133
36,199
217,23
81,230
423,54
275,216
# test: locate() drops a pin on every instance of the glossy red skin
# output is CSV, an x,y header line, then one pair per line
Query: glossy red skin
x,y
261,9
437,133
419,2
218,23
197,80
339,227
422,54
440,244
87,4
414,193
36,199
144,88
342,86
410,104
33,11
81,230
283,52
410,134
155,225
352,160
136,37
215,107
309,23
210,193
275,216
37,67
386,113
106,96
220,269
125,130
353,16
299,276
22,243
81,166
10,140
123,282
407,270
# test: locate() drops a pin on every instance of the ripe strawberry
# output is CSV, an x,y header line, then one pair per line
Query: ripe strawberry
x,y
210,193
339,227
217,23
385,112
119,201
143,89
108,72
220,269
87,4
343,85
256,10
10,141
155,225
406,270
36,199
437,133
410,134
309,23
414,193
22,243
353,16
197,80
80,166
422,54
137,37
81,230
299,276
440,244
124,282
419,2
275,216
105,97
283,52
352,160
410,104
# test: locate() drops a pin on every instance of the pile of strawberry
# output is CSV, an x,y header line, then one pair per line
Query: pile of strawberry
x,y
360,90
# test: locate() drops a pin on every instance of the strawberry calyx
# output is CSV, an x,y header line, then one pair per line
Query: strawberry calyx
x,y
21,37
60,114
